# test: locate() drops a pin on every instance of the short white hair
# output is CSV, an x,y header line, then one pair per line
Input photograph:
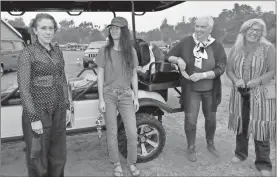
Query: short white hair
x,y
209,20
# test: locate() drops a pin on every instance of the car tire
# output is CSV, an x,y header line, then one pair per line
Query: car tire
x,y
157,139
85,65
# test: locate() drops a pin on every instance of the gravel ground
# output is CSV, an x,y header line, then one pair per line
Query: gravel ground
x,y
88,156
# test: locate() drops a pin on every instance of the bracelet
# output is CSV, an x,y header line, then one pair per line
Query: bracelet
x,y
205,75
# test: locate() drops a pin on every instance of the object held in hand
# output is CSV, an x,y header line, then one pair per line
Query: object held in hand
x,y
99,125
245,92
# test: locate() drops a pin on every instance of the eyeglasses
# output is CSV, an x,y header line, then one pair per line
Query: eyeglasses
x,y
259,31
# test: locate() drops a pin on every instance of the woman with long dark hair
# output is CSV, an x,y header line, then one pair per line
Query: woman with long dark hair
x,y
117,62
44,94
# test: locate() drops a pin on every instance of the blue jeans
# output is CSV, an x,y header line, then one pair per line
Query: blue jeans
x,y
191,115
121,100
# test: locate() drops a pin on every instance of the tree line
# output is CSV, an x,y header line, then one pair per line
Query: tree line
x,y
226,27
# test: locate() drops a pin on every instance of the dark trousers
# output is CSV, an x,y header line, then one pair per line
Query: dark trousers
x,y
52,157
262,148
191,114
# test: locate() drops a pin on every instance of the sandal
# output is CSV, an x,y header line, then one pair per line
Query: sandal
x,y
134,171
117,170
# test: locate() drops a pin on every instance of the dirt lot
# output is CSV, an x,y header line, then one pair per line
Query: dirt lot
x,y
88,156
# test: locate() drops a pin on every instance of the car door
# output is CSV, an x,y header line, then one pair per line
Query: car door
x,y
8,58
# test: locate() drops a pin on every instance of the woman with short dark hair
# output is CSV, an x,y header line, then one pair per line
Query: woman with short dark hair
x,y
44,94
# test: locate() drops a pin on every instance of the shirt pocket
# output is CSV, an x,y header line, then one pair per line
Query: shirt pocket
x,y
43,81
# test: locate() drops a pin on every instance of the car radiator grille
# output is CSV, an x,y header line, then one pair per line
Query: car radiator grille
x,y
92,55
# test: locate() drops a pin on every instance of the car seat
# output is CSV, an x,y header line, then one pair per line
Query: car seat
x,y
143,52
165,76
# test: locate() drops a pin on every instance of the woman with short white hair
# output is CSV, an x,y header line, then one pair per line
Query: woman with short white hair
x,y
251,67
202,60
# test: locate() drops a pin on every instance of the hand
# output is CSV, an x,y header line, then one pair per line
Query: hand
x,y
68,116
136,104
253,83
102,106
139,69
181,63
37,127
185,74
240,83
196,77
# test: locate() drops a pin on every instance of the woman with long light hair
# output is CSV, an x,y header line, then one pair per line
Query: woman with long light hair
x,y
117,63
251,67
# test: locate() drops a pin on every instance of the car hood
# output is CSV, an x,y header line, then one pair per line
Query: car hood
x,y
91,51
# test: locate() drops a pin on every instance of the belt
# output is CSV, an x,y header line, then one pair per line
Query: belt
x,y
118,90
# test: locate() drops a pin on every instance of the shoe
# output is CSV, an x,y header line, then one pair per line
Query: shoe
x,y
235,160
266,173
133,170
211,149
117,170
192,154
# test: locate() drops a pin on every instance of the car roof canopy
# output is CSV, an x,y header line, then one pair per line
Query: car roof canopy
x,y
88,6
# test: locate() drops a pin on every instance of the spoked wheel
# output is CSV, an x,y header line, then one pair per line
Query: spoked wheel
x,y
151,138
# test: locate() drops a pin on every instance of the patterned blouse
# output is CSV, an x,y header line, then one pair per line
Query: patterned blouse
x,y
41,80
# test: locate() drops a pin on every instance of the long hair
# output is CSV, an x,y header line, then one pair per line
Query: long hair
x,y
240,41
125,46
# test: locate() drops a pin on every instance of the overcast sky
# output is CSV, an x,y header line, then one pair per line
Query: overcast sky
x,y
152,20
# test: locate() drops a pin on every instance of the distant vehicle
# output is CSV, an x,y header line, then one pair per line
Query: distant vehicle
x,y
73,47
62,47
11,44
91,52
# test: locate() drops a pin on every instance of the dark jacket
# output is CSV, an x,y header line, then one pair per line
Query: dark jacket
x,y
41,80
184,49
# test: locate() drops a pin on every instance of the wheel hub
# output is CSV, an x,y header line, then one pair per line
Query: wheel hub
x,y
142,139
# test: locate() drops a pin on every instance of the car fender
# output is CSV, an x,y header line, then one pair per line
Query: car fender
x,y
152,95
153,102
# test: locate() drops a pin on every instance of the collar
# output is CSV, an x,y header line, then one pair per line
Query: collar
x,y
199,51
205,43
44,48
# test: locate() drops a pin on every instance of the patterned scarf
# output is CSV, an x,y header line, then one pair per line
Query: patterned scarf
x,y
262,124
199,51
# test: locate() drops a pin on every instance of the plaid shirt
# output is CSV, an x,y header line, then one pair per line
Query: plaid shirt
x,y
41,80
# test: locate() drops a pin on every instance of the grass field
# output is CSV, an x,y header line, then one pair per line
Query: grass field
x,y
88,156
